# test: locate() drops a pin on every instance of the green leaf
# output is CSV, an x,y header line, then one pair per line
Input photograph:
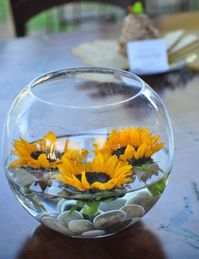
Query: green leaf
x,y
157,188
109,200
72,209
77,205
27,191
80,203
91,208
146,171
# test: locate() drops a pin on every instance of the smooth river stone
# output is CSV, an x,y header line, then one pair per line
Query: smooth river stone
x,y
53,190
144,199
80,226
23,177
68,216
107,219
119,226
90,218
67,205
133,211
56,225
93,233
113,205
59,204
48,214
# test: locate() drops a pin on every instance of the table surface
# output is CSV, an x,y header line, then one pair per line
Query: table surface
x,y
171,228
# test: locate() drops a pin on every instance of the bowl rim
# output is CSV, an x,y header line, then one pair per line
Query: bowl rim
x,y
53,74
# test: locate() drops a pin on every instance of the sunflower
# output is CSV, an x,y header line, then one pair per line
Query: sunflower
x,y
135,145
39,154
102,173
75,154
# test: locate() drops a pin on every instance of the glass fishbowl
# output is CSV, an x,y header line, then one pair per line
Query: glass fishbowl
x,y
88,151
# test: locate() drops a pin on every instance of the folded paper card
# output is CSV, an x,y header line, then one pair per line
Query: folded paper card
x,y
106,52
148,56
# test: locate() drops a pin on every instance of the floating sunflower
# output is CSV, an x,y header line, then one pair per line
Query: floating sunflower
x,y
39,154
75,154
103,173
135,145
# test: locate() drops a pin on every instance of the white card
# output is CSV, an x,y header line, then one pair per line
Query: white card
x,y
147,56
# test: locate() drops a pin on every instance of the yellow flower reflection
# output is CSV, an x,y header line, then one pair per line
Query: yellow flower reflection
x,y
75,154
103,173
131,144
43,153
39,154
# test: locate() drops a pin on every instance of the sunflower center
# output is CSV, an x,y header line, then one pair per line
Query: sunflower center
x,y
93,177
133,161
119,151
52,157
36,154
140,161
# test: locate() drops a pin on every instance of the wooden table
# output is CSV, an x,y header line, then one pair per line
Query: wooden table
x,y
188,21
170,229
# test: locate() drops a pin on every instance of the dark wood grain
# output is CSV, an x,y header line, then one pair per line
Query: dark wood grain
x,y
137,242
170,229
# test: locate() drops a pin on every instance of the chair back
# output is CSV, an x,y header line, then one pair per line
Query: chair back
x,y
23,10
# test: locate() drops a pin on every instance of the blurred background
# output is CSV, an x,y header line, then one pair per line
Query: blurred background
x,y
82,15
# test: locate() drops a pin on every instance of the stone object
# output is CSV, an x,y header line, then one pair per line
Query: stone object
x,y
113,205
108,219
68,216
80,226
56,225
133,211
136,27
144,199
93,233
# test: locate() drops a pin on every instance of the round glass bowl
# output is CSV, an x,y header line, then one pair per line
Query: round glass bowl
x,y
88,151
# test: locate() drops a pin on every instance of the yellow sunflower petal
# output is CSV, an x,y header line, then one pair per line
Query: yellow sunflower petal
x,y
50,137
77,183
157,147
76,154
24,150
23,147
98,163
66,146
110,184
69,166
84,181
110,164
140,152
62,168
58,177
127,169
17,164
139,142
128,154
117,171
125,180
155,139
43,161
98,185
